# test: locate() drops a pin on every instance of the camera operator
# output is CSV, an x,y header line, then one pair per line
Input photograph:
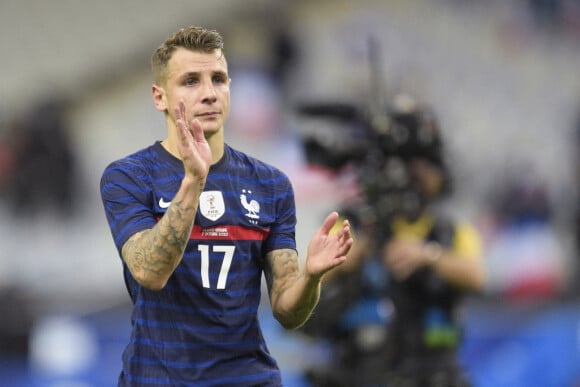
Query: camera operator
x,y
391,314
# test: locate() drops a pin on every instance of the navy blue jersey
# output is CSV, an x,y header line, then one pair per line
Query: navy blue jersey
x,y
202,328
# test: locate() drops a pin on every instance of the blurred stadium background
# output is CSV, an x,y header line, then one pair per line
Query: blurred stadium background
x,y
502,75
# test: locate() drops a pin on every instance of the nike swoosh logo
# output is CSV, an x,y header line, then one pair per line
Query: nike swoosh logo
x,y
163,203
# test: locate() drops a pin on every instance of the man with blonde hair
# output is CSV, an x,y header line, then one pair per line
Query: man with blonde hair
x,y
196,224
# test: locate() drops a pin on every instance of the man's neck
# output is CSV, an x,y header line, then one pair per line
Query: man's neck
x,y
215,141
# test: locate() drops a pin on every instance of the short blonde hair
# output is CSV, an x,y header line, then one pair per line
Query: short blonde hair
x,y
192,38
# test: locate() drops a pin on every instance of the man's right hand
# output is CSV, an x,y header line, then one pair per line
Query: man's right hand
x,y
193,146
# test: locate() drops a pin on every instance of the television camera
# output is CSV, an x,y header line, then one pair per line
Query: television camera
x,y
378,146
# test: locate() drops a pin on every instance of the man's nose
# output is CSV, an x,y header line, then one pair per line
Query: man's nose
x,y
209,92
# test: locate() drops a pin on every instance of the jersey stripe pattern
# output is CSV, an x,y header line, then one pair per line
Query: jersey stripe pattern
x,y
202,328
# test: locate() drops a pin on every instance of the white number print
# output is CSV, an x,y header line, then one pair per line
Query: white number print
x,y
228,252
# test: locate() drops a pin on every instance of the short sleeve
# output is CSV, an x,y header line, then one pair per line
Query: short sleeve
x,y
467,242
127,200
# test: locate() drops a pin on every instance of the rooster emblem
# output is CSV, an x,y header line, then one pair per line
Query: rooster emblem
x,y
253,207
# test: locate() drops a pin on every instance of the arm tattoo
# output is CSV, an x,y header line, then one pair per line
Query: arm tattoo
x,y
157,251
282,273
282,270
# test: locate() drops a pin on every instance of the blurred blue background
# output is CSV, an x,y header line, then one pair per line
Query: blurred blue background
x,y
502,76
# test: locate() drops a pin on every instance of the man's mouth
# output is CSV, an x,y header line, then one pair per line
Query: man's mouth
x,y
207,115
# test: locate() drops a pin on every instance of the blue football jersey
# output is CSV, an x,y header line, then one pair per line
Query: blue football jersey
x,y
202,328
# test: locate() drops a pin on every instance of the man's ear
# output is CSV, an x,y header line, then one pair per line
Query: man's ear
x,y
159,99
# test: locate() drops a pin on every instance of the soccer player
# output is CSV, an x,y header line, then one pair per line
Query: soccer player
x,y
196,224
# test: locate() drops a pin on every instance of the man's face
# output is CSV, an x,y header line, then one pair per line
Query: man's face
x,y
201,81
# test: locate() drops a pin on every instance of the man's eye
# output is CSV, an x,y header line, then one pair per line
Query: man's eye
x,y
190,81
219,79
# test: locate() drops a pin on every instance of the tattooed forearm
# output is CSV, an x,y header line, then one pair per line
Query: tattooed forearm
x,y
153,254
283,270
293,296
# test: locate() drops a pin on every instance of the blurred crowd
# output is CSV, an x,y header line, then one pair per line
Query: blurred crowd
x,y
38,162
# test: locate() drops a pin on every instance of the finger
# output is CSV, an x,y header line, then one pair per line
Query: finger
x,y
345,237
180,121
196,130
345,242
346,229
329,222
343,250
180,111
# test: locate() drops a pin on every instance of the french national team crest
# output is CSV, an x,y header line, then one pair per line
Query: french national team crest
x,y
211,204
